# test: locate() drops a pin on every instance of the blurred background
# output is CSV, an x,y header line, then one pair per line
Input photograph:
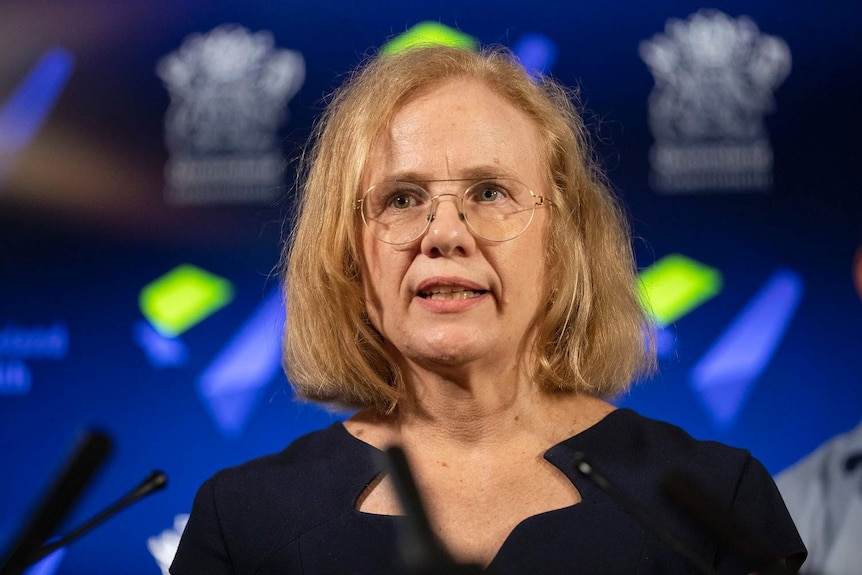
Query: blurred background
x,y
147,155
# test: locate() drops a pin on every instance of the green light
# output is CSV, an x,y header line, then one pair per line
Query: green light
x,y
428,33
675,285
182,298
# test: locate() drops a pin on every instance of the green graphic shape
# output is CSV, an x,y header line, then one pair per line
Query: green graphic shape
x,y
428,33
675,285
182,298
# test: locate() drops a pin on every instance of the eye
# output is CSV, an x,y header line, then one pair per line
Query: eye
x,y
402,200
395,198
486,192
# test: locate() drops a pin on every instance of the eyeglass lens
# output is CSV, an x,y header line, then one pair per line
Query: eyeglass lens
x,y
495,210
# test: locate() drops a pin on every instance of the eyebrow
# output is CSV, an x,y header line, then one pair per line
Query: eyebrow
x,y
474,173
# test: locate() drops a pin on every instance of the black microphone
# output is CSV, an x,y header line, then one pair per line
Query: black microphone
x,y
640,513
88,456
421,552
155,481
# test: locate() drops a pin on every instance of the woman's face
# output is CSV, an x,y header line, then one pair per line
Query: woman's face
x,y
458,130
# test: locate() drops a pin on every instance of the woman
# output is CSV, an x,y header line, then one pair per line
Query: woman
x,y
461,275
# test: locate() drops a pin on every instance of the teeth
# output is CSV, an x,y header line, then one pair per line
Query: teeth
x,y
450,293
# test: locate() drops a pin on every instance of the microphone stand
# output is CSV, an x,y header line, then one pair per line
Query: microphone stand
x,y
88,457
421,552
155,481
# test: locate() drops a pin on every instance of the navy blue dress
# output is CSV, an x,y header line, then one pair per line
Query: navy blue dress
x,y
295,511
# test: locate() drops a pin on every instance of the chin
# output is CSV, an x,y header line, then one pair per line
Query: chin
x,y
451,352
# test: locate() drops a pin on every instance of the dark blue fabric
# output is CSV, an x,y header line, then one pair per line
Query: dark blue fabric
x,y
295,511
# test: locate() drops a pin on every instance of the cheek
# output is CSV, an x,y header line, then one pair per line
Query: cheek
x,y
522,273
530,259
370,272
367,269
371,284
375,264
383,270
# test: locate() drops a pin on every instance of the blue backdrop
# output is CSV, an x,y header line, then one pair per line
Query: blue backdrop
x,y
760,351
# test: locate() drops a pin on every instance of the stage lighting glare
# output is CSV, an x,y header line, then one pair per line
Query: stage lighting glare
x,y
730,369
429,33
675,285
182,298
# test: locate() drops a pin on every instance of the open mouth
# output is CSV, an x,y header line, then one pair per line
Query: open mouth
x,y
450,293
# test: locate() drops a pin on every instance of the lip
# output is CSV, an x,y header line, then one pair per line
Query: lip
x,y
431,283
453,305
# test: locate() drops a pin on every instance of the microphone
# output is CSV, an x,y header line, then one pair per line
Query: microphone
x,y
88,456
640,513
421,552
155,481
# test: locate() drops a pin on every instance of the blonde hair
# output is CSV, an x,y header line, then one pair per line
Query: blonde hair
x,y
593,336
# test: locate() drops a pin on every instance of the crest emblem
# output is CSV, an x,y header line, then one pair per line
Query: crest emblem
x,y
163,547
714,82
229,90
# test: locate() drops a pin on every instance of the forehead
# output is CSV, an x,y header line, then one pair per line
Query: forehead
x,y
459,129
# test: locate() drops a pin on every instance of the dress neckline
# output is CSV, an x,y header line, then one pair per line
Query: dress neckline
x,y
584,434
560,455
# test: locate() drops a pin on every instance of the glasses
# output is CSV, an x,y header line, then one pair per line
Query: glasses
x,y
496,210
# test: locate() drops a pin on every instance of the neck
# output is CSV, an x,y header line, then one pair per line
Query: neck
x,y
470,408
477,412
476,409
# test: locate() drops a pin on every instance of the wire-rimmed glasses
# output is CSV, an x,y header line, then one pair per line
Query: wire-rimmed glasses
x,y
495,209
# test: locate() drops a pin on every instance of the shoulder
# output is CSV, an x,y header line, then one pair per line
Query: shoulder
x,y
245,515
639,454
301,462
251,511
326,461
654,456
635,440
650,459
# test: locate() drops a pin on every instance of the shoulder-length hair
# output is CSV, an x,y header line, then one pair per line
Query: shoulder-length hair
x,y
593,337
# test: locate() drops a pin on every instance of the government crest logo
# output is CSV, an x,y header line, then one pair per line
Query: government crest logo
x,y
163,547
715,77
229,90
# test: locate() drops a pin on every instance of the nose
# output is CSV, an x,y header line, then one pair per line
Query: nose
x,y
452,199
447,232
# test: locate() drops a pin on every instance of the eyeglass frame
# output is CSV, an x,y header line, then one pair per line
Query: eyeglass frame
x,y
432,201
